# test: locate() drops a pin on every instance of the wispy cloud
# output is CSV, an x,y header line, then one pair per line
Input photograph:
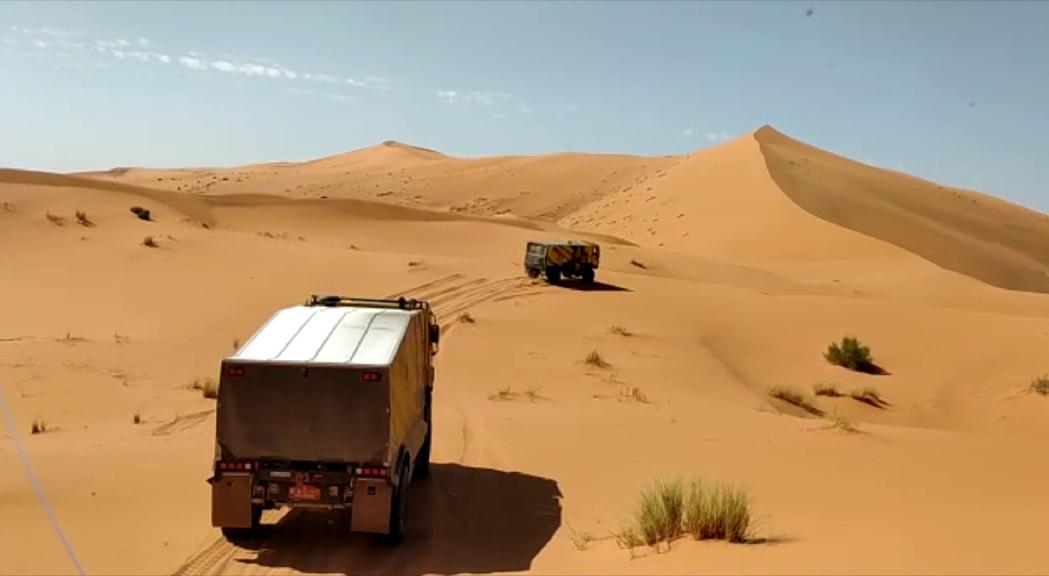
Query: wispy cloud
x,y
140,49
501,103
688,132
718,136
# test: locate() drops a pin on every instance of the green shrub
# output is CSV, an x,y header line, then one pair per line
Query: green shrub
x,y
851,354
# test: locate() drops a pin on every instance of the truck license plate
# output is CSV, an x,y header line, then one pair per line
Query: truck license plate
x,y
304,492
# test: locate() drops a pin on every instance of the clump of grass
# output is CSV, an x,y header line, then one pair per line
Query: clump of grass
x,y
580,540
208,387
236,344
55,219
150,242
794,398
826,390
534,394
1040,385
503,394
466,318
840,422
717,512
851,354
39,426
268,234
414,263
708,510
869,396
121,338
635,394
83,220
137,418
657,517
595,359
141,213
620,331
638,264
9,207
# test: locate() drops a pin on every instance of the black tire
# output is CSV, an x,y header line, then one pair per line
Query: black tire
x,y
399,510
588,275
533,273
553,275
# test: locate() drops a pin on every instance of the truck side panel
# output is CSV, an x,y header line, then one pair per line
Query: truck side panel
x,y
408,381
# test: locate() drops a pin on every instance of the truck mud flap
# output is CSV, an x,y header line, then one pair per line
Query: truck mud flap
x,y
231,501
372,501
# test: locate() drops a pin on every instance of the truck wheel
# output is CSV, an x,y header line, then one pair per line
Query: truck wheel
x,y
399,510
588,275
553,275
532,273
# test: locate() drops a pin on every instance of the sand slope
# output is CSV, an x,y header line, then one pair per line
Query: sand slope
x,y
538,456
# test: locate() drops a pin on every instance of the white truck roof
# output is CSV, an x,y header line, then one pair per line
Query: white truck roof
x,y
352,336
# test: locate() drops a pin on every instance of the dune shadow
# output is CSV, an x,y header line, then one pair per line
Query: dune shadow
x,y
461,519
873,369
594,286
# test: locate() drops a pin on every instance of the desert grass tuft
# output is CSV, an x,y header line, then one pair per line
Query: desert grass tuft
x,y
137,418
869,396
638,264
208,387
150,242
1040,385
706,510
55,219
39,426
634,393
466,318
595,359
829,390
503,394
840,422
83,220
620,331
794,398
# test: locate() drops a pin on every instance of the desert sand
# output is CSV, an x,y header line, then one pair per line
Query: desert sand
x,y
731,269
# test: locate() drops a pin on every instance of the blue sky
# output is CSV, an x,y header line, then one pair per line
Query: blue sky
x,y
953,92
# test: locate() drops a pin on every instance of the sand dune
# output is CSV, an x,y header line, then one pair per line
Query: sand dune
x,y
729,270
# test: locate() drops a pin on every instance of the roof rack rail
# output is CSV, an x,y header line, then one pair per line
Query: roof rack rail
x,y
336,300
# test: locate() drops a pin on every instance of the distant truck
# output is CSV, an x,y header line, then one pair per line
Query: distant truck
x,y
565,258
329,405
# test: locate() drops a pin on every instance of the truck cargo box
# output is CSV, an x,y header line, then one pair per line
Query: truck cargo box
x,y
333,384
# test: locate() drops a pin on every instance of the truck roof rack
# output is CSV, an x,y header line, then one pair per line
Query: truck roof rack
x,y
401,303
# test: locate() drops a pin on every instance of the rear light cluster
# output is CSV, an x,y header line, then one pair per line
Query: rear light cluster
x,y
372,376
235,370
373,472
233,466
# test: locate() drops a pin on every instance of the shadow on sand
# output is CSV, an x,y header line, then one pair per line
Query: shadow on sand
x,y
460,520
594,286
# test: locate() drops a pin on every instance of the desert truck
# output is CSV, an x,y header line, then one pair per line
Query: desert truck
x,y
328,405
564,258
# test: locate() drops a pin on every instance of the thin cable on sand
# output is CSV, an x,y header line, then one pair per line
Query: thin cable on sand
x,y
10,421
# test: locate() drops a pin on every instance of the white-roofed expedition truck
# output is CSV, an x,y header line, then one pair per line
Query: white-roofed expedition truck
x,y
328,405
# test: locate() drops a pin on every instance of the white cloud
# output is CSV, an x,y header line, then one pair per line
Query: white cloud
x,y
688,132
223,66
339,97
144,42
718,136
164,58
40,44
193,63
326,78
449,96
119,55
523,109
122,42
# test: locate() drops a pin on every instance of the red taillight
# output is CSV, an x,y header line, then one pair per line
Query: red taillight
x,y
233,465
235,371
372,376
373,472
